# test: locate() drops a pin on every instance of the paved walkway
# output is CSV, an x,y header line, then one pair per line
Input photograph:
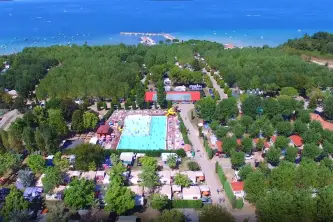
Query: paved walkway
x,y
208,167
217,87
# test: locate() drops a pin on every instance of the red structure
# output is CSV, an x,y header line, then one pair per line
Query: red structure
x,y
103,130
187,96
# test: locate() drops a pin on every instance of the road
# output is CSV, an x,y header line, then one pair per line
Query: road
x,y
208,167
8,118
217,87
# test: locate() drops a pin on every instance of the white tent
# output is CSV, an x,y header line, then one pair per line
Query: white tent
x,y
191,193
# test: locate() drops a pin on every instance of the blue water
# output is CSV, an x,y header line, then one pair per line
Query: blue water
x,y
154,140
241,22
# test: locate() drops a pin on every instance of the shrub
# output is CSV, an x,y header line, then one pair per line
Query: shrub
x,y
108,113
193,166
239,203
220,173
151,153
186,203
181,153
228,191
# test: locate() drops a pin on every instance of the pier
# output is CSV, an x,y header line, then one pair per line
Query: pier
x,y
148,41
165,35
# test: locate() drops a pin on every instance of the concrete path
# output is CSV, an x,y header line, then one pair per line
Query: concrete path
x,y
217,87
208,168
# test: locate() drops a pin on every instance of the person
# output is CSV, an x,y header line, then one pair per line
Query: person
x,y
217,190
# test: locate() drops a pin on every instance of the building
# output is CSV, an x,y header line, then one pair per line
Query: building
x,y
195,87
165,156
296,141
57,194
191,193
39,182
139,198
180,88
191,175
205,191
89,175
31,193
100,175
103,130
325,124
71,175
192,96
127,158
165,190
238,189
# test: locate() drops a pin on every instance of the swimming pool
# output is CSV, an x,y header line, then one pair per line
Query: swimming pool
x,y
144,133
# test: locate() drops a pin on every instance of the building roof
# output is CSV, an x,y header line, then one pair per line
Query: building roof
x,y
175,96
176,188
165,176
239,142
199,174
219,145
192,190
297,140
204,188
71,174
237,186
138,190
126,156
103,129
165,190
325,124
165,156
273,139
89,175
100,173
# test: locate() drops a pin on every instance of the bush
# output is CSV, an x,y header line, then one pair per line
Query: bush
x,y
181,153
108,113
239,203
186,203
151,153
228,191
220,173
183,130
193,166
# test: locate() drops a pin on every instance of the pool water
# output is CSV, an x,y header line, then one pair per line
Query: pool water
x,y
144,133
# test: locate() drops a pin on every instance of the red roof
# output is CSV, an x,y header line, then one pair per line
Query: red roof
x,y
239,142
219,146
267,145
325,124
297,140
237,186
103,129
273,138
195,95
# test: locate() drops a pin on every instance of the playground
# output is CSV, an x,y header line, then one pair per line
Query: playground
x,y
146,130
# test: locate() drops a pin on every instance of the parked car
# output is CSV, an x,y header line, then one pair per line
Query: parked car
x,y
248,157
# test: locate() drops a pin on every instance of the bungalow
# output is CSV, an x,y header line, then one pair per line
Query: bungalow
x,y
176,188
238,189
165,156
165,177
70,175
174,173
89,175
165,190
139,199
191,175
192,96
57,194
100,175
49,160
200,176
205,191
103,130
106,179
297,141
127,158
191,193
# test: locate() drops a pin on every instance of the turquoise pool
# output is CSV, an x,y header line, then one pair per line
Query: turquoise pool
x,y
144,133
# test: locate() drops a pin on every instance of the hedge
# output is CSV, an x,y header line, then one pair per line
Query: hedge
x,y
186,203
208,149
152,153
236,203
183,130
108,114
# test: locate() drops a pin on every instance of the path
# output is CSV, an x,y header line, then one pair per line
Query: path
x,y
8,118
208,167
217,87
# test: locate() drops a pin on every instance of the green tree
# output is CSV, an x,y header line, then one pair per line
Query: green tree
x,y
116,173
245,171
255,186
193,166
273,156
306,175
161,95
28,137
172,161
328,147
36,163
283,177
277,119
247,145
8,161
324,177
281,142
271,107
118,198
229,144
87,153
159,201
222,132
172,215
61,163
90,120
328,107
46,139
316,127
300,127
92,166
304,116
206,108
57,121
140,95
57,212
250,106
77,121
237,159
4,139
53,178
80,194
311,151
149,177
182,180
291,154
68,107
284,128
325,204
212,212
260,144
14,202
226,109
289,91
246,121
148,161
15,135
115,159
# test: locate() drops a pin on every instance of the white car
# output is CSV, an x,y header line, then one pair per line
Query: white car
x,y
248,157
